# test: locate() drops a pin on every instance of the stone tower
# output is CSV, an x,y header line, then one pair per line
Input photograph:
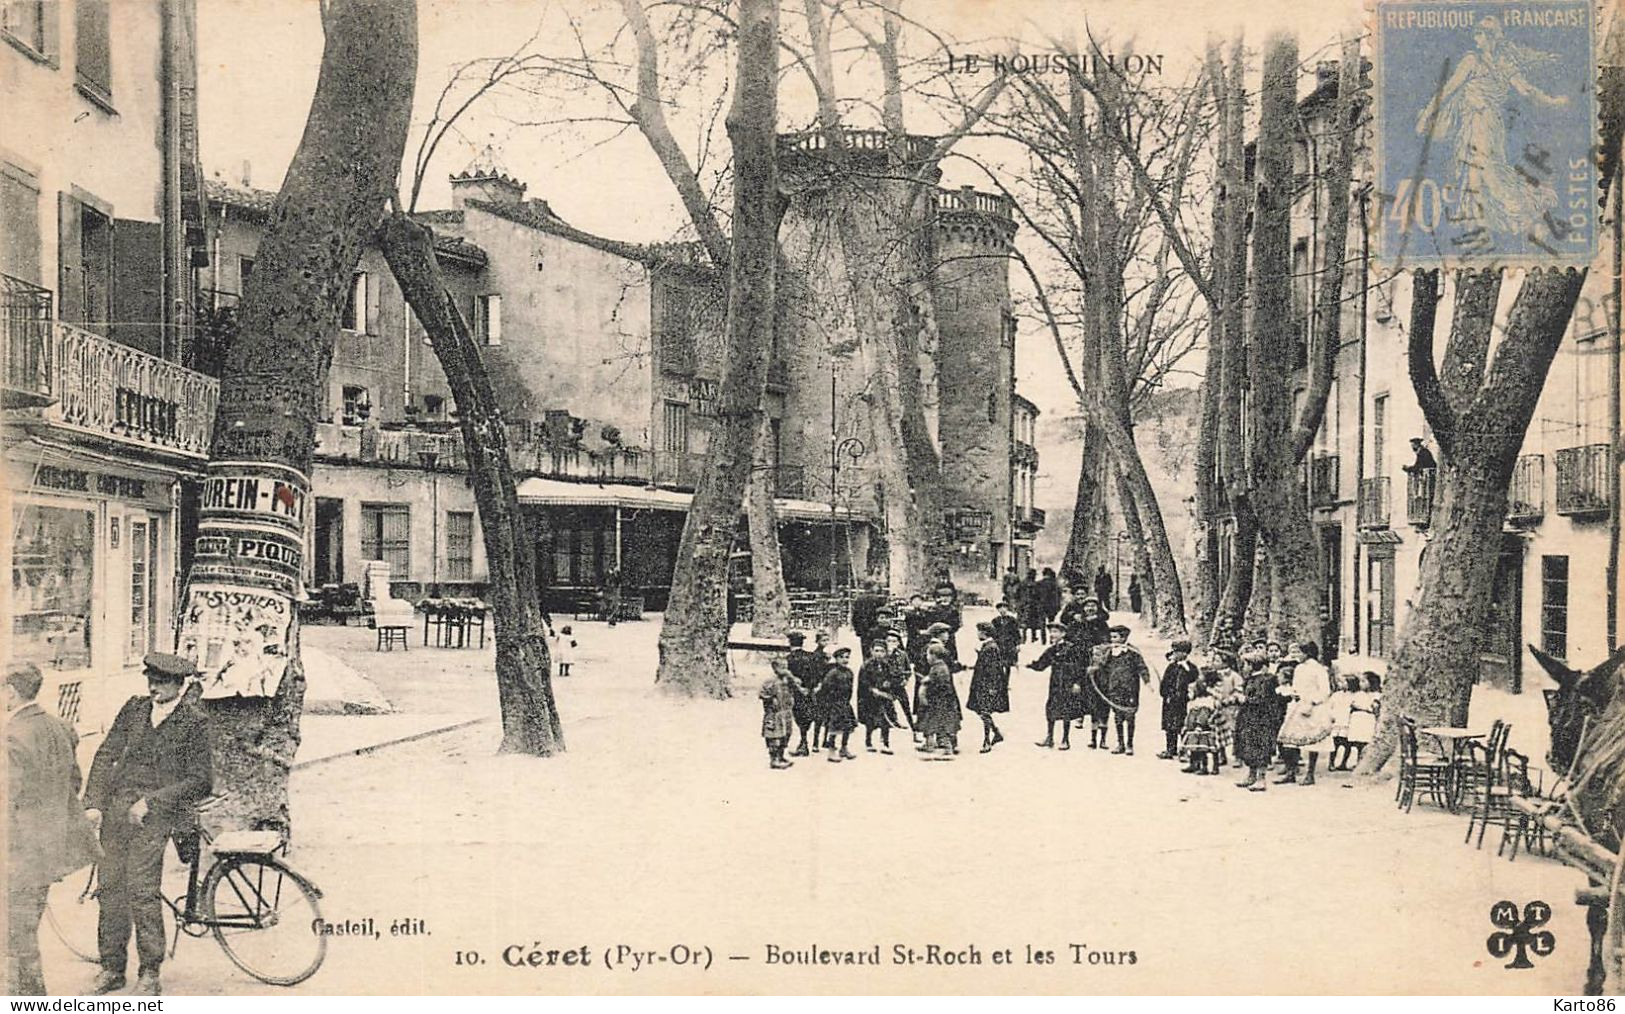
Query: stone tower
x,y
975,380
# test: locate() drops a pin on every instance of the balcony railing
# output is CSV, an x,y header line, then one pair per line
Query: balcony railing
x,y
444,450
86,382
25,320
1584,479
1419,487
1023,453
678,468
1030,517
1323,480
1374,498
1526,496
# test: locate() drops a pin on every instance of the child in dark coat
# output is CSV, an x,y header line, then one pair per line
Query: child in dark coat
x,y
989,686
835,706
876,696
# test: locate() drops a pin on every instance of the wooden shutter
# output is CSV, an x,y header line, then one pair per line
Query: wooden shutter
x,y
138,296
70,261
20,240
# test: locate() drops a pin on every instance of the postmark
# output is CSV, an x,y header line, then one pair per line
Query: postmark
x,y
1485,132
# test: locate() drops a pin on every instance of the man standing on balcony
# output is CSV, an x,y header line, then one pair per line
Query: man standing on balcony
x,y
1424,458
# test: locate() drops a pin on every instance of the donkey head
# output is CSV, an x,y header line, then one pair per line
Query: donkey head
x,y
1579,695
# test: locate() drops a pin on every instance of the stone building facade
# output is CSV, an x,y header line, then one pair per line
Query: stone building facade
x,y
101,229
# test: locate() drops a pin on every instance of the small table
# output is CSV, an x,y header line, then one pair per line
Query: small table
x,y
1458,738
391,634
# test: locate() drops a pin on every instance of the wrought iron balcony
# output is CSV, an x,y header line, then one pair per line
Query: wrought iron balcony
x,y
94,385
1419,487
1526,496
1374,500
1323,480
1584,477
25,319
1030,518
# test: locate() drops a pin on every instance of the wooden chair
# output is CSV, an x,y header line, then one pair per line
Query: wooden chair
x,y
1419,771
1471,773
1502,773
1539,809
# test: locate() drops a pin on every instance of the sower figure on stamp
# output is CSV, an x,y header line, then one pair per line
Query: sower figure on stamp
x,y
1118,677
778,710
47,836
147,778
805,672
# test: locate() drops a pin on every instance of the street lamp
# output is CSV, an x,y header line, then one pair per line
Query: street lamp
x,y
1117,568
853,448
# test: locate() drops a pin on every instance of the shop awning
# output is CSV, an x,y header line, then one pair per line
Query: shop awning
x,y
559,493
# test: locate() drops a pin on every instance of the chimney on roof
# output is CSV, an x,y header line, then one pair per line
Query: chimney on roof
x,y
248,175
1325,70
485,179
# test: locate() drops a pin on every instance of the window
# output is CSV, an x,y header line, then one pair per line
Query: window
x,y
355,307
357,406
459,546
245,269
53,560
31,24
1554,605
1379,435
386,534
488,319
93,51
676,428
434,406
84,263
19,209
143,545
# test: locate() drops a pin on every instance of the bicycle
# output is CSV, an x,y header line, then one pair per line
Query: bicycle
x,y
245,897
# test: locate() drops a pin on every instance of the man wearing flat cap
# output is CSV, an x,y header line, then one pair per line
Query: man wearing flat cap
x,y
147,778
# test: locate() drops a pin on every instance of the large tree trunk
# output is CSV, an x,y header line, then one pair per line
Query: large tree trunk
x,y
1283,517
770,616
249,561
1142,556
1262,611
693,638
1479,416
530,717
1085,547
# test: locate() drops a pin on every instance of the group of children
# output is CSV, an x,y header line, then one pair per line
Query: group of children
x,y
1237,706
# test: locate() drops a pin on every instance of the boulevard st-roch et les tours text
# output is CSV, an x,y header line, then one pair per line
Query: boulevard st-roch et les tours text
x,y
622,957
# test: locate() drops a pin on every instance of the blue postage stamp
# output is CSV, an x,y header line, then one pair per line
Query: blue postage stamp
x,y
1486,128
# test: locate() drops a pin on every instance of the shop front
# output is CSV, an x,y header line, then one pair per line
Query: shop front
x,y
91,550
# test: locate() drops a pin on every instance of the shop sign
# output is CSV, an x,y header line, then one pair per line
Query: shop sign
x,y
76,480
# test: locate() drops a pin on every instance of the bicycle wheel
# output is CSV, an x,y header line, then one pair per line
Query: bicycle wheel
x,y
264,915
70,912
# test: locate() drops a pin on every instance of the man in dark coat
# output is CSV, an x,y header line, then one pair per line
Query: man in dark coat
x,y
1118,676
46,831
1049,594
1033,619
989,693
805,672
1103,587
1010,588
1175,690
946,612
865,614
147,778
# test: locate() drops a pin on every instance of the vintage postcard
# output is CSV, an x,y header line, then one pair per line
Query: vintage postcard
x,y
820,497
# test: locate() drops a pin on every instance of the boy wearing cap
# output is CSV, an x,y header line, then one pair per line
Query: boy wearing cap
x,y
835,698
805,672
147,777
778,704
1175,691
1118,676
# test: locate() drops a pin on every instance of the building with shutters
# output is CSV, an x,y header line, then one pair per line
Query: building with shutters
x,y
101,230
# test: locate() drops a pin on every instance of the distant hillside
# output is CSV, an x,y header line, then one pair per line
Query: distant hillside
x,y
1166,436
